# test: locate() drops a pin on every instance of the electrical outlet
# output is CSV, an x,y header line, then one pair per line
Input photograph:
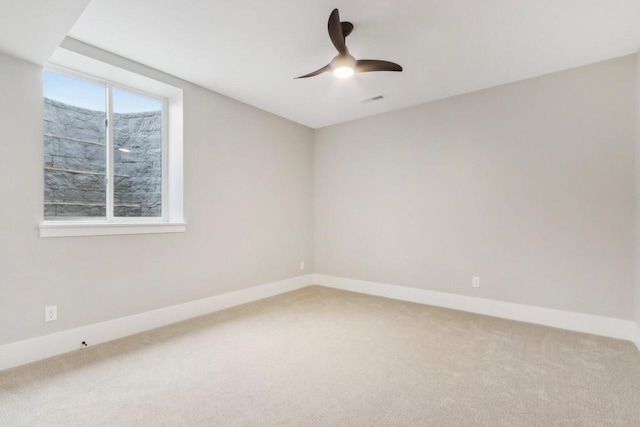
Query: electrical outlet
x,y
51,313
475,282
302,265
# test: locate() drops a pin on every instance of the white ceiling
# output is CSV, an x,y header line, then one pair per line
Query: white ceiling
x,y
33,29
250,50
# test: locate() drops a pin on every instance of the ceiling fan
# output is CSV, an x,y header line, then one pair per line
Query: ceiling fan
x,y
344,64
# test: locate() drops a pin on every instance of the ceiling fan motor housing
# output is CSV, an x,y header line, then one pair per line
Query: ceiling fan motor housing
x,y
343,60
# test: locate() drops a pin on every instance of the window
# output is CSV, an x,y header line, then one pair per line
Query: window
x,y
113,146
105,151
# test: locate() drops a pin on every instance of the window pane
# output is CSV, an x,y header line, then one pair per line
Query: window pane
x,y
74,147
137,160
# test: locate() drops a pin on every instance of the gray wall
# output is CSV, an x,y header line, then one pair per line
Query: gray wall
x,y
248,204
528,185
637,281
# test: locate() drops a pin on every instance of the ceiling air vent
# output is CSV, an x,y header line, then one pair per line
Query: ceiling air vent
x,y
375,98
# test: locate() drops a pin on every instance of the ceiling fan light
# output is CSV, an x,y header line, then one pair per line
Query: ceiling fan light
x,y
343,72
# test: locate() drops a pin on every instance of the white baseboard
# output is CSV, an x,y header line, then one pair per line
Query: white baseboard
x,y
592,324
30,350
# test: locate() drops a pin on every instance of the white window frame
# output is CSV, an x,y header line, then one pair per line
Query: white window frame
x,y
110,147
110,224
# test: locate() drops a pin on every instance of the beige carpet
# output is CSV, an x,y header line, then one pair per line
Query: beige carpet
x,y
323,357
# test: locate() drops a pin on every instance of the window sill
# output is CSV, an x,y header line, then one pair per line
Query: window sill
x,y
78,229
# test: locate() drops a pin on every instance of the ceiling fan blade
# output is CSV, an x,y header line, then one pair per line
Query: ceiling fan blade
x,y
367,65
315,73
335,32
